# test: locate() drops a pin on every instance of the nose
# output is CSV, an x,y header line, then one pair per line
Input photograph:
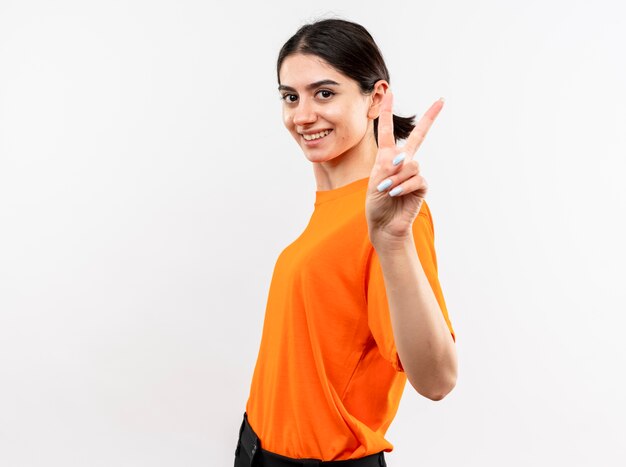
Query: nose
x,y
304,113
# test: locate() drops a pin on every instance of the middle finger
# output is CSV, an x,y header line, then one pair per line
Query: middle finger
x,y
418,134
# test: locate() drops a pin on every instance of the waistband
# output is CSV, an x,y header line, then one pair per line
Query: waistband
x,y
249,441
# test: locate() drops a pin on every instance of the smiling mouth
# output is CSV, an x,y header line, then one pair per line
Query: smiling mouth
x,y
315,136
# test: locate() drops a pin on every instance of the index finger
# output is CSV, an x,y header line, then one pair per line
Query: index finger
x,y
385,122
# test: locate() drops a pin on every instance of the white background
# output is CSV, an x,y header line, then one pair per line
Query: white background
x,y
147,187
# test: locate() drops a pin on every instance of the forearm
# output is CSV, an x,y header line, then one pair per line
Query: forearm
x,y
423,340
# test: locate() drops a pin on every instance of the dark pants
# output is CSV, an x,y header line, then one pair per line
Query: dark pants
x,y
249,453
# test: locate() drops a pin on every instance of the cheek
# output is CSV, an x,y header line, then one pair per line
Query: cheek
x,y
357,121
334,115
287,120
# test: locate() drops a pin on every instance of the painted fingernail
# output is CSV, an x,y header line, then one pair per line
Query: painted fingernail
x,y
399,158
397,190
384,185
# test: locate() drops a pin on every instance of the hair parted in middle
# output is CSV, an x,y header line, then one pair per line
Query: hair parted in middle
x,y
350,49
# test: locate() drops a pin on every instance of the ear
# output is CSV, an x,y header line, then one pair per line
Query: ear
x,y
376,98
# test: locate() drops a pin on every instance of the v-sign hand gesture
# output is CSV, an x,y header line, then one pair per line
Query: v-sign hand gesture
x,y
395,192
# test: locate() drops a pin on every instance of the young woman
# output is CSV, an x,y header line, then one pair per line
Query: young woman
x,y
355,307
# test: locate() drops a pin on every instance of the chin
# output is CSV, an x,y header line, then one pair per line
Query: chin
x,y
333,158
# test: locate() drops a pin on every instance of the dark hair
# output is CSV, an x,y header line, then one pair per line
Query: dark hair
x,y
351,50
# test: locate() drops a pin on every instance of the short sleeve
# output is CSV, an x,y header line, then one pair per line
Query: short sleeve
x,y
379,319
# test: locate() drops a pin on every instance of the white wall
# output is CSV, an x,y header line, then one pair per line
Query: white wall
x,y
145,177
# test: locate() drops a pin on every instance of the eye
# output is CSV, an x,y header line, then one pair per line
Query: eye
x,y
289,98
326,94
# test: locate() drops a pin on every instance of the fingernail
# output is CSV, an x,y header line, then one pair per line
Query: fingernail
x,y
399,158
397,190
384,185
442,99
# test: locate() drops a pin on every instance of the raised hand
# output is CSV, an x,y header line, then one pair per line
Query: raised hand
x,y
395,192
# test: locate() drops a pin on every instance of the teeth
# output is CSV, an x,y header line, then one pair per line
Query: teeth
x,y
321,134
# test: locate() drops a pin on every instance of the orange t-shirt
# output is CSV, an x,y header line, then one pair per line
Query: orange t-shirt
x,y
328,380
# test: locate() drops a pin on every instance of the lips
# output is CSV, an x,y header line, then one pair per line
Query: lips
x,y
312,137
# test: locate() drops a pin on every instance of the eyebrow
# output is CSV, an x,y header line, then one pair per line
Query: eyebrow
x,y
309,87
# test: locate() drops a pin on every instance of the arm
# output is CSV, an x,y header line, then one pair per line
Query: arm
x,y
423,341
